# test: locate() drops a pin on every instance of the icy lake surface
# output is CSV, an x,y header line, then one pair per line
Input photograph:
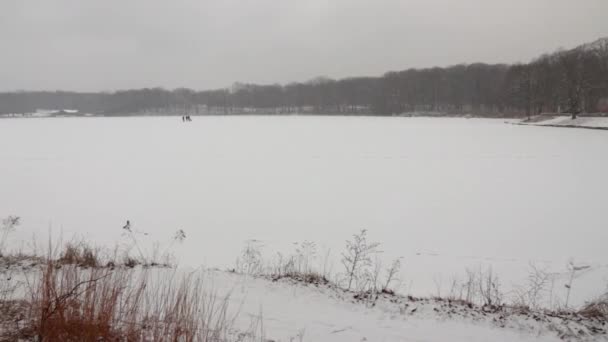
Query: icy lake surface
x,y
444,194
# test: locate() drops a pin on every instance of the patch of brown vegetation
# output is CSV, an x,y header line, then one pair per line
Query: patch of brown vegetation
x,y
597,309
81,254
72,303
305,277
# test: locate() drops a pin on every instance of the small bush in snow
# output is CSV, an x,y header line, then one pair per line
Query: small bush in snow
x,y
9,224
391,274
250,261
79,254
489,288
357,258
531,295
596,309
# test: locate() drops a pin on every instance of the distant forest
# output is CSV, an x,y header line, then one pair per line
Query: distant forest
x,y
567,81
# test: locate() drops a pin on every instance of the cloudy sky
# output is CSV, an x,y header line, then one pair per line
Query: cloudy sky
x,y
116,44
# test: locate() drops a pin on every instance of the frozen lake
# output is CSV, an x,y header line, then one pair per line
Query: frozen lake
x,y
444,194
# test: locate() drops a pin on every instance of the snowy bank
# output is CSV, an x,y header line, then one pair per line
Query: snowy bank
x,y
325,313
290,310
567,121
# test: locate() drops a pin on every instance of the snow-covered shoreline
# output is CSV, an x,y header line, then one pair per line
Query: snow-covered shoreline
x,y
588,122
325,313
287,309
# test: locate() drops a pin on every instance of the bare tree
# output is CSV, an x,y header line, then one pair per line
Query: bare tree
x,y
572,80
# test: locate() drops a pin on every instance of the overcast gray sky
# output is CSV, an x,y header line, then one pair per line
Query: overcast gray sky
x,y
116,44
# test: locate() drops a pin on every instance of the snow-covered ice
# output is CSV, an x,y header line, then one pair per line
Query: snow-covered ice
x,y
444,194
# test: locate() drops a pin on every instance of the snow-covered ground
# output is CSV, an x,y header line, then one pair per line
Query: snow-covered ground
x,y
285,310
444,194
318,313
586,122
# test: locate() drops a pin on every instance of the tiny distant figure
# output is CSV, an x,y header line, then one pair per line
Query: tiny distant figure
x,y
180,235
183,118
188,118
127,226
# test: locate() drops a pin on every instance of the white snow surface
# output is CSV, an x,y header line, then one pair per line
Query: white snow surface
x,y
444,194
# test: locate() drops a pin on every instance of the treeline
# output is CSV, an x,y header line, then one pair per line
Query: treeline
x,y
567,81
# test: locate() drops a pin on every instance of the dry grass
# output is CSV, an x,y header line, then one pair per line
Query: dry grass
x,y
71,304
304,277
84,255
12,315
100,304
130,262
80,254
596,309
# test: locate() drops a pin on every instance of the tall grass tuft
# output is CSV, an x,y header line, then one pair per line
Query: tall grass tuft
x,y
71,303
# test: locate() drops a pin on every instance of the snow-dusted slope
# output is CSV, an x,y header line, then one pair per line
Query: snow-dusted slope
x,y
580,121
286,310
320,313
567,121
